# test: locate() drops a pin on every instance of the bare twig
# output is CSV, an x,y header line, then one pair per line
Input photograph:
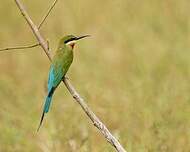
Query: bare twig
x,y
20,47
39,26
34,28
46,15
109,137
48,44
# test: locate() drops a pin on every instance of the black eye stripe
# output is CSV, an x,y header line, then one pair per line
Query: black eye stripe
x,y
71,39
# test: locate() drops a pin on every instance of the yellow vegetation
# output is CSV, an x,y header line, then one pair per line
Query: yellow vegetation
x,y
134,72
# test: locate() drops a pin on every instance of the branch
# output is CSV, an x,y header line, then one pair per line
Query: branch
x,y
39,26
34,29
20,47
109,137
103,129
48,12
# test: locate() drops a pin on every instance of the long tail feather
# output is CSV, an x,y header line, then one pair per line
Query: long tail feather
x,y
41,121
46,107
47,103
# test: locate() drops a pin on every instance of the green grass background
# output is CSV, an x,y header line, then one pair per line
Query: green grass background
x,y
134,73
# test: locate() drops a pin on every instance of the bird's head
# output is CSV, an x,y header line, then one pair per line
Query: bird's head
x,y
70,40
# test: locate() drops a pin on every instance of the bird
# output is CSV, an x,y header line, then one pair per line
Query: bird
x,y
60,65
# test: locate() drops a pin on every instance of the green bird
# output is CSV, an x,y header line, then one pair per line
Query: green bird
x,y
59,67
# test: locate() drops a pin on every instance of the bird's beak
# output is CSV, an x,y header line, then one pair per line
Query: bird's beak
x,y
81,37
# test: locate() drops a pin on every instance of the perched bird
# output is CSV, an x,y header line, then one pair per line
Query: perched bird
x,y
59,67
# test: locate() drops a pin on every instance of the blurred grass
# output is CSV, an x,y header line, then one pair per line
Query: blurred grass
x,y
134,72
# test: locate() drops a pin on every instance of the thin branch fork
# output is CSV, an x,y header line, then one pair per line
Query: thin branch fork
x,y
34,29
39,26
102,128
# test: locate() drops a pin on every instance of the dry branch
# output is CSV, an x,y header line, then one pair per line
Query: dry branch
x,y
103,129
20,47
46,15
39,26
34,28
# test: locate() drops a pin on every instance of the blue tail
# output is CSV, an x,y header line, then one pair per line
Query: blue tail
x,y
47,103
46,106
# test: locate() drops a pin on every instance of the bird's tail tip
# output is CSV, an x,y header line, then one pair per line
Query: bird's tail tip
x,y
46,107
40,122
